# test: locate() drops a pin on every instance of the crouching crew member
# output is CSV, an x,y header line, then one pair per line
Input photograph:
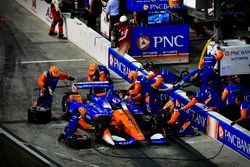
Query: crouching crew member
x,y
72,136
177,120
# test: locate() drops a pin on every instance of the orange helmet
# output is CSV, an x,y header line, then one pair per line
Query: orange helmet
x,y
132,75
54,70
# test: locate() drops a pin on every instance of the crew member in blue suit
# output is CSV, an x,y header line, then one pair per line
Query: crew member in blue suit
x,y
209,98
208,72
244,112
229,94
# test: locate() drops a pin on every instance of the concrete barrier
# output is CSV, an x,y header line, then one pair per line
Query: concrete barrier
x,y
24,155
212,123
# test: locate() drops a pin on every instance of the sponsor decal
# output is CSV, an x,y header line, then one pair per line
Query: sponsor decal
x,y
143,43
238,52
111,60
145,7
151,5
241,145
121,67
221,132
160,40
227,53
165,41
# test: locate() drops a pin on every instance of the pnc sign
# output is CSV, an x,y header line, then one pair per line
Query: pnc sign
x,y
160,40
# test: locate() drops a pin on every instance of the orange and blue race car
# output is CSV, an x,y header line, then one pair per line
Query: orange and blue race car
x,y
108,112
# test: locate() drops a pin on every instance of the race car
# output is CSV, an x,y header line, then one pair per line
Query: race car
x,y
122,128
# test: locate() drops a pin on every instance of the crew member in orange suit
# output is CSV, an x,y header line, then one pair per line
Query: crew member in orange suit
x,y
47,83
135,92
98,72
171,112
177,119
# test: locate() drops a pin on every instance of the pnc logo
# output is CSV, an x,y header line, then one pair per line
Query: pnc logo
x,y
143,43
227,53
145,7
221,132
111,60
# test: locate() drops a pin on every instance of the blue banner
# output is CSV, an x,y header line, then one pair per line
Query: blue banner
x,y
153,5
234,138
119,64
160,40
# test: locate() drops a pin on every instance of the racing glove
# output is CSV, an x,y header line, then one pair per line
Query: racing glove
x,y
71,78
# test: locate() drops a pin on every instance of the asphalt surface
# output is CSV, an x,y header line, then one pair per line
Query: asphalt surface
x,y
26,50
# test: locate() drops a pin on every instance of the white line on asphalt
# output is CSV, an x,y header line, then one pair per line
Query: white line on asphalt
x,y
199,141
77,160
50,61
60,154
40,148
94,165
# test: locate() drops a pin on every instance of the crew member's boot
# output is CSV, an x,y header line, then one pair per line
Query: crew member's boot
x,y
52,33
61,36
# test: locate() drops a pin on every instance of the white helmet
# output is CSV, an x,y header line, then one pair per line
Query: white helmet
x,y
123,19
213,52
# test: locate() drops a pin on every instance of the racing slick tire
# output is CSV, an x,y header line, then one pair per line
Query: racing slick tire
x,y
39,115
66,103
77,142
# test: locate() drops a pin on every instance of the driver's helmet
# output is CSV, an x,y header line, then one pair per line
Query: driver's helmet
x,y
115,103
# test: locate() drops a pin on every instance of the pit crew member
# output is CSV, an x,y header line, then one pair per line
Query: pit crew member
x,y
57,18
229,94
71,135
47,83
208,72
124,40
244,115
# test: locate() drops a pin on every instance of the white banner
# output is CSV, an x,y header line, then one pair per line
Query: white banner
x,y
236,60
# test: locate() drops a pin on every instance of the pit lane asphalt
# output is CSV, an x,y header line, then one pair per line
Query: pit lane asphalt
x,y
24,46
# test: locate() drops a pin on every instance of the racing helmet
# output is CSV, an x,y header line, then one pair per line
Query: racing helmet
x,y
54,70
123,19
132,75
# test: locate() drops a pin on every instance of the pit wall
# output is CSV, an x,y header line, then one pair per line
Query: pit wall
x,y
98,47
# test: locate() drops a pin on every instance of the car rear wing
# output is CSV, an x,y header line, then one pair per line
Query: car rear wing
x,y
95,84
